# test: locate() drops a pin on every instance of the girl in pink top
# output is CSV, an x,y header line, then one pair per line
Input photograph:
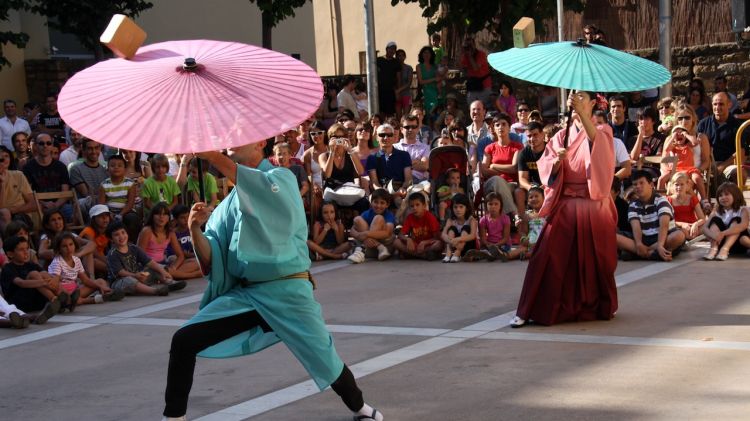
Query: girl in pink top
x,y
156,235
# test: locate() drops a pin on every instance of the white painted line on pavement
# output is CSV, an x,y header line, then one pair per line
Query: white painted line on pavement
x,y
387,330
619,340
44,334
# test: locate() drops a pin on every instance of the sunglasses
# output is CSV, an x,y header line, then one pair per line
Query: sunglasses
x,y
350,129
317,133
385,135
361,129
409,127
684,117
523,110
44,143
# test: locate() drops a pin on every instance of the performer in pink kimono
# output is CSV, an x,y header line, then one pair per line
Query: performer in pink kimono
x,y
571,275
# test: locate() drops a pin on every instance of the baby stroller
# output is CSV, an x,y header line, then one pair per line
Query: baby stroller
x,y
441,160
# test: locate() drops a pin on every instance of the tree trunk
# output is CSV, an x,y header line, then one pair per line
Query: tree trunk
x,y
267,29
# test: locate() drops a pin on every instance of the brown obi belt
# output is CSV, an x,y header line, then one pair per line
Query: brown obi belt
x,y
299,275
576,190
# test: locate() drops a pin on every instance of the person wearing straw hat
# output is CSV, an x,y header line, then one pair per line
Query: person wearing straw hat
x,y
571,275
260,291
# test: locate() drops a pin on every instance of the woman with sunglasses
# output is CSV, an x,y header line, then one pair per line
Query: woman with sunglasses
x,y
686,117
318,145
365,142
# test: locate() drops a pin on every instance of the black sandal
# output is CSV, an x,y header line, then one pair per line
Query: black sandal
x,y
367,417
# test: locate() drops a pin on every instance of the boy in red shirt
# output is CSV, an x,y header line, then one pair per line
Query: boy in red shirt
x,y
420,234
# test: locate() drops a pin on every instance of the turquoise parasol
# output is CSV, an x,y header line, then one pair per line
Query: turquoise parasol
x,y
581,66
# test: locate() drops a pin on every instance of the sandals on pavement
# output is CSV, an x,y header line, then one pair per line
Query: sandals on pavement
x,y
376,415
517,322
711,255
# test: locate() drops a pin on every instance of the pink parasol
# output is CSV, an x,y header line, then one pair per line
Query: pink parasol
x,y
190,96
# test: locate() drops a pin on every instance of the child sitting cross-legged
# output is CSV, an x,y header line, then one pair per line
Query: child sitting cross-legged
x,y
688,212
96,233
131,270
156,235
420,234
73,278
494,232
182,232
27,286
653,235
460,232
727,224
373,229
328,240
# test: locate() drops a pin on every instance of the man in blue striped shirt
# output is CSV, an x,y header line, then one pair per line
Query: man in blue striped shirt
x,y
654,235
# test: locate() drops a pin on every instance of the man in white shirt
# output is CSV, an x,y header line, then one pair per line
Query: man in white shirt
x,y
418,151
345,98
11,123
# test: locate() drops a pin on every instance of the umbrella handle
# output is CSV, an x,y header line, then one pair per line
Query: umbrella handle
x,y
201,190
568,122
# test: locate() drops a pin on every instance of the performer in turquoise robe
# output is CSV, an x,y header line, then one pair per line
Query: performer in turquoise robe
x,y
255,255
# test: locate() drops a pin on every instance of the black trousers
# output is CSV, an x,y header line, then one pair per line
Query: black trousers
x,y
192,339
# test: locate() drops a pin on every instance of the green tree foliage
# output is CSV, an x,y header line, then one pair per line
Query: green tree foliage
x,y
471,16
18,39
273,12
86,19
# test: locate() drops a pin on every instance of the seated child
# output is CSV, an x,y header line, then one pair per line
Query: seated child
x,y
420,234
180,215
688,212
160,187
329,240
536,224
118,193
73,278
494,232
210,187
132,271
154,238
27,286
620,204
446,192
373,229
20,229
12,316
650,214
679,145
727,224
53,223
95,232
460,231
283,153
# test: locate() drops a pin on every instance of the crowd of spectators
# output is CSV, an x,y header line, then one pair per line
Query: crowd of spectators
x,y
87,223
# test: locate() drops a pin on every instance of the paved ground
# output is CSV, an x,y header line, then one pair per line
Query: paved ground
x,y
429,341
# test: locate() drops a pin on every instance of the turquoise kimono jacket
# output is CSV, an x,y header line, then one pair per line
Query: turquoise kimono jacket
x,y
259,232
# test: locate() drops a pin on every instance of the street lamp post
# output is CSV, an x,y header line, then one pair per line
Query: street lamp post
x,y
372,72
